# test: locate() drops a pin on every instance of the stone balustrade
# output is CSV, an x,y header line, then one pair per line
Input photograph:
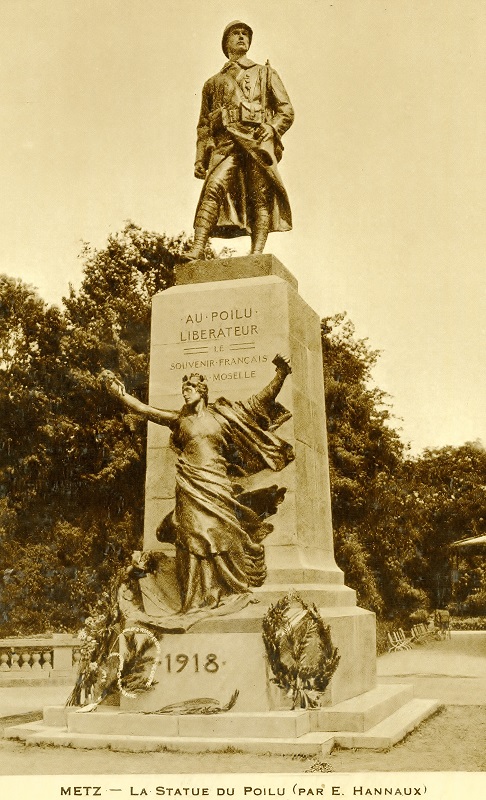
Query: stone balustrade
x,y
39,659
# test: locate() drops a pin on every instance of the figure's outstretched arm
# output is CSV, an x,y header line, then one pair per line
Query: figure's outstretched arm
x,y
117,388
282,369
268,412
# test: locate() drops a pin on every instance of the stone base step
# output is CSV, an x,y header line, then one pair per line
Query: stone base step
x,y
392,729
329,595
357,714
44,679
364,711
26,729
201,733
309,744
227,726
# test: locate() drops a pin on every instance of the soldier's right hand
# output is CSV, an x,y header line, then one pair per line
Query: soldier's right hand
x,y
199,170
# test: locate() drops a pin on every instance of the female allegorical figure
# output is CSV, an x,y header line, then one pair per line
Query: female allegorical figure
x,y
216,527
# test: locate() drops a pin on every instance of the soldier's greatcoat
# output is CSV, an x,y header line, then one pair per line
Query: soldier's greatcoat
x,y
227,140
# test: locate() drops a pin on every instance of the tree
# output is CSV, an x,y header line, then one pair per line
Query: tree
x,y
450,486
374,528
31,368
72,465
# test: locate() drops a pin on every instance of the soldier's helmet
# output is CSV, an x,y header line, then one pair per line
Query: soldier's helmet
x,y
235,24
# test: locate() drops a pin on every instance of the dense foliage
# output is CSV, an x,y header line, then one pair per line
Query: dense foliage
x,y
449,485
72,462
395,517
375,525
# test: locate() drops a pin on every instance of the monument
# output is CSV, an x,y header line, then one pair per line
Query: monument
x,y
237,506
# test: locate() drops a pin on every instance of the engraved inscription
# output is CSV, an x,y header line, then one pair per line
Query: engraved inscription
x,y
211,325
195,662
207,335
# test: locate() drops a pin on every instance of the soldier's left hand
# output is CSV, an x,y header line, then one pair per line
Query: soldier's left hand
x,y
265,132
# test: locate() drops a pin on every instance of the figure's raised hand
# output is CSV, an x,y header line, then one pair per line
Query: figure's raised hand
x,y
111,382
282,364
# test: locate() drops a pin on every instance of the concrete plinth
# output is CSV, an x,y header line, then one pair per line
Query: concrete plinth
x,y
227,319
230,330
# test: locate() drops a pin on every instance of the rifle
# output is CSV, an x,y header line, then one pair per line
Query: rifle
x,y
266,76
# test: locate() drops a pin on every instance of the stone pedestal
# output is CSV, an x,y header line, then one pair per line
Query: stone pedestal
x,y
227,319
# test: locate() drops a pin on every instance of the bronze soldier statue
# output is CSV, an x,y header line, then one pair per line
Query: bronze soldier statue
x,y
245,111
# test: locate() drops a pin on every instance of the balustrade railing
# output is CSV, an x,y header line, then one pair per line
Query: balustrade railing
x,y
40,658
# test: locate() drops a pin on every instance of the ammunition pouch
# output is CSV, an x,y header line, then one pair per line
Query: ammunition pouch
x,y
251,112
248,113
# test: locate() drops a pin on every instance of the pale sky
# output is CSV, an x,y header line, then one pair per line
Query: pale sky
x,y
385,164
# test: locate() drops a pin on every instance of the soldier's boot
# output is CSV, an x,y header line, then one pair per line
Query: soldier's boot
x,y
201,236
207,217
259,233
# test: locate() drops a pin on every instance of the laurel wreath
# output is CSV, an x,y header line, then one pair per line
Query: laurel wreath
x,y
130,673
299,649
144,685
